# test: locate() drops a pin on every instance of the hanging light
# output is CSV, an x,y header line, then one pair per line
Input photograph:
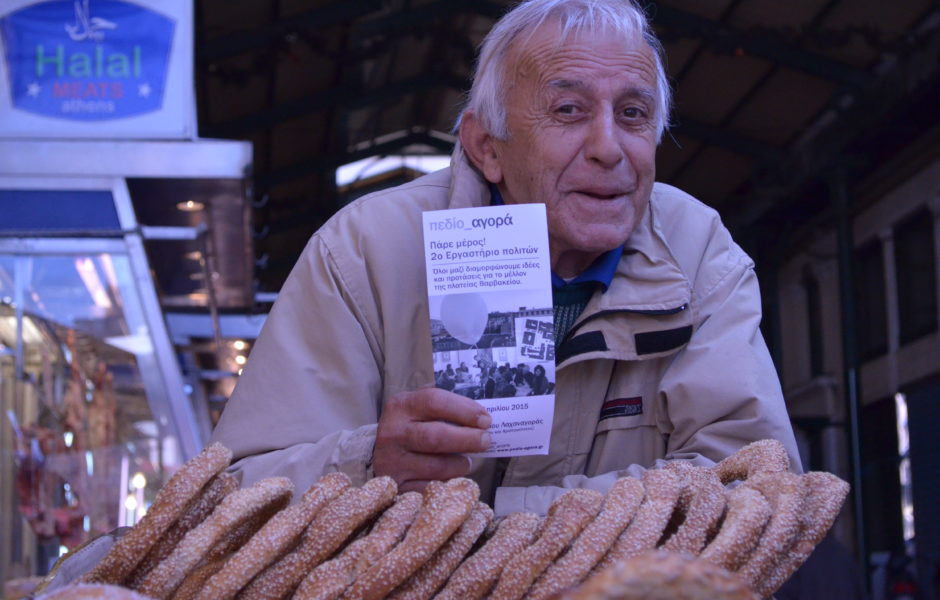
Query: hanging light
x,y
904,470
190,206
138,481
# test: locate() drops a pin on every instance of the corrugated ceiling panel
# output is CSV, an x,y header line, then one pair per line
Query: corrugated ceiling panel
x,y
783,107
715,174
710,9
672,154
787,18
858,29
678,53
716,83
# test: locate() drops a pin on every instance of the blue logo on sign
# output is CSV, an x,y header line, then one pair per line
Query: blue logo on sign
x,y
87,60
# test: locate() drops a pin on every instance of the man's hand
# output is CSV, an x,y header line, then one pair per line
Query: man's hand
x,y
421,436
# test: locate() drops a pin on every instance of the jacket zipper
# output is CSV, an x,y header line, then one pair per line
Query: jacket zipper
x,y
655,313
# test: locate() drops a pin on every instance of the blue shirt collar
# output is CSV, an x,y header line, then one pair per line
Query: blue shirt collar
x,y
496,199
601,270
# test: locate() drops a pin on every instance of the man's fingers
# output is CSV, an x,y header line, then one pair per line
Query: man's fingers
x,y
433,404
422,435
436,437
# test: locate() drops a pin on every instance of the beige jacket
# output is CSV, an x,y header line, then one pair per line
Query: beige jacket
x,y
678,330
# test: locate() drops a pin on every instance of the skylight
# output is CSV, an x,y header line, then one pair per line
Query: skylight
x,y
376,165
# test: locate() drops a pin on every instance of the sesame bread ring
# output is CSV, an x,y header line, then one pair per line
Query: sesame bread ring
x,y
763,456
663,575
745,519
478,573
329,580
823,496
96,591
238,537
785,494
446,506
218,488
233,511
328,531
701,504
194,582
662,493
568,515
620,505
274,538
431,576
170,503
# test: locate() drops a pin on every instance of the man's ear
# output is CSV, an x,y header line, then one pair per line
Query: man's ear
x,y
479,146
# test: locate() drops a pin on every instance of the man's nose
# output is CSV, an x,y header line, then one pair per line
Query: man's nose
x,y
603,144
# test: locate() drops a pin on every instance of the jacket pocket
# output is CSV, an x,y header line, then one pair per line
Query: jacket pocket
x,y
645,419
627,430
622,443
630,400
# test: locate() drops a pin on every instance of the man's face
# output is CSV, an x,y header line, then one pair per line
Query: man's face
x,y
582,138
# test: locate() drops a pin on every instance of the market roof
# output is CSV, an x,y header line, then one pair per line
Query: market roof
x,y
771,98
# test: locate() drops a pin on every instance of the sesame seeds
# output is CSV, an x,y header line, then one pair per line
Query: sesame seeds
x,y
367,543
167,507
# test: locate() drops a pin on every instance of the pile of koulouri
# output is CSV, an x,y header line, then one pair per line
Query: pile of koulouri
x,y
738,529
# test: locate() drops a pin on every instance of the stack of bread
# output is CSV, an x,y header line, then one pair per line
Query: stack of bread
x,y
677,532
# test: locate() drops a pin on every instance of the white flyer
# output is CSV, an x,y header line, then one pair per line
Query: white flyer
x,y
492,334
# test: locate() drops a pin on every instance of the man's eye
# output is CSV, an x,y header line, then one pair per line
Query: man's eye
x,y
634,113
567,109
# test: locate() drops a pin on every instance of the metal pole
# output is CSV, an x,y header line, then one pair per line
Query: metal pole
x,y
769,272
840,195
206,260
21,278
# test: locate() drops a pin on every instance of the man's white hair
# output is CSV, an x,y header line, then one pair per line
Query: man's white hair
x,y
488,94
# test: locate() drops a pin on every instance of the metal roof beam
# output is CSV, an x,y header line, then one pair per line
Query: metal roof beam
x,y
397,24
822,147
241,42
323,163
350,98
395,90
424,14
759,45
725,138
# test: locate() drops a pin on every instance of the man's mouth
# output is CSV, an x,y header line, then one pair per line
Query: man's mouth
x,y
602,194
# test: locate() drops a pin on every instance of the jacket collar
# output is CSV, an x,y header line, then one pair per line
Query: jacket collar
x,y
646,312
648,278
467,186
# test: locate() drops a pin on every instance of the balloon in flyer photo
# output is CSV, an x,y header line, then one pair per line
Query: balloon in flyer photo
x,y
464,316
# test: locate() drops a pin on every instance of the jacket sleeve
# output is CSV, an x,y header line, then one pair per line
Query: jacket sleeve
x,y
308,398
719,393
722,391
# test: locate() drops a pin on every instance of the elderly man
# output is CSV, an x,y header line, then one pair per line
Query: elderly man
x,y
659,355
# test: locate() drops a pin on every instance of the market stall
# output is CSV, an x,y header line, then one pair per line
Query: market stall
x,y
97,130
